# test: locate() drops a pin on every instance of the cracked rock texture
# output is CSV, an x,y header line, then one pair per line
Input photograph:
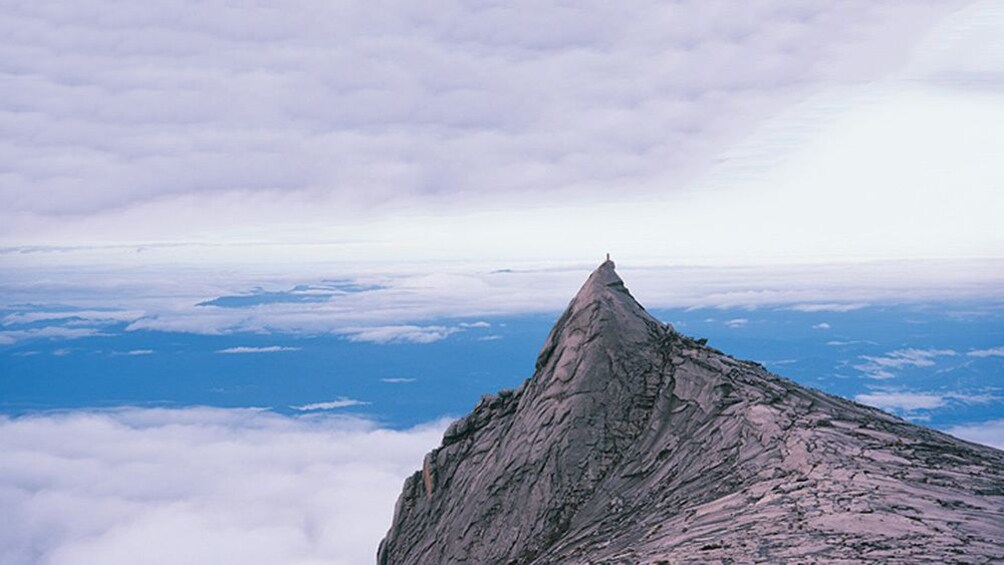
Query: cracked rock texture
x,y
633,443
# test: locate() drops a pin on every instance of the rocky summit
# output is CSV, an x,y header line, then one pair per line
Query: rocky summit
x,y
633,443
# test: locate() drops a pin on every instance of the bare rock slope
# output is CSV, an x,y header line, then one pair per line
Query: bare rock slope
x,y
633,443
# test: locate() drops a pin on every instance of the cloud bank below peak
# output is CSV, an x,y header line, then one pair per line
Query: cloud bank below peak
x,y
200,486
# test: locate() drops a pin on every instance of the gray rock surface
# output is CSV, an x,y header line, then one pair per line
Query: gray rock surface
x,y
633,443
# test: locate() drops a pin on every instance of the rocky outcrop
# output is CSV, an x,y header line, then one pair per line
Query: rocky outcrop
x,y
633,443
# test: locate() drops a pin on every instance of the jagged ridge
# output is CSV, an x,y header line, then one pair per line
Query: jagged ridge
x,y
633,443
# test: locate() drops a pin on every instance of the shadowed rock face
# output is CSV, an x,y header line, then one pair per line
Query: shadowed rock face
x,y
632,443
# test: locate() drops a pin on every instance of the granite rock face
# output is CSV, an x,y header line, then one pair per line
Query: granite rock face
x,y
633,443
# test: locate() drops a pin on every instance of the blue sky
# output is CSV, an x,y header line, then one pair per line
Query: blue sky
x,y
936,363
292,241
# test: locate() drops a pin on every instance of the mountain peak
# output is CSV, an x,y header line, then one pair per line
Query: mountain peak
x,y
603,279
632,443
608,267
604,315
604,289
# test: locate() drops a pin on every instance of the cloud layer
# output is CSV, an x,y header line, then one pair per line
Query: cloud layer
x,y
199,486
402,306
133,122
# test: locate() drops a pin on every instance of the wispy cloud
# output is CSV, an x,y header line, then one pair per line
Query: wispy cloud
x,y
340,402
35,321
990,432
882,367
921,400
266,349
829,307
133,352
736,322
49,332
95,317
902,400
992,352
400,334
398,380
821,326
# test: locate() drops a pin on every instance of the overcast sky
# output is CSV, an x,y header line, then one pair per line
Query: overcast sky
x,y
696,130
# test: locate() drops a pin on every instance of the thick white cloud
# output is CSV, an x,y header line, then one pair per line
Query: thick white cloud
x,y
153,123
199,486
